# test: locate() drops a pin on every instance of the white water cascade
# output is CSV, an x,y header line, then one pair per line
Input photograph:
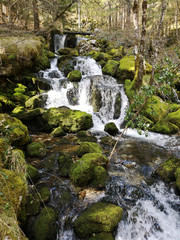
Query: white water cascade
x,y
155,219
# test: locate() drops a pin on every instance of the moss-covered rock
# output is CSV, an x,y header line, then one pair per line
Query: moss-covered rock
x,y
64,163
126,68
36,149
74,76
117,52
19,98
177,175
111,128
6,104
155,109
25,115
65,65
102,236
99,56
111,68
32,173
20,88
43,193
33,204
13,189
98,218
165,127
69,120
167,169
13,129
82,172
36,101
88,147
100,177
129,87
174,118
68,51
58,132
84,136
44,227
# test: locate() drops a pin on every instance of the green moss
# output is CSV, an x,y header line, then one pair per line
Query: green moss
x,y
117,52
99,217
41,62
177,175
6,104
25,115
45,225
88,147
33,204
68,51
111,128
74,76
49,54
99,56
36,149
44,193
173,107
111,68
19,97
32,173
13,129
36,101
69,120
129,89
58,132
126,68
155,109
64,163
102,236
100,177
174,118
82,172
164,127
167,169
13,191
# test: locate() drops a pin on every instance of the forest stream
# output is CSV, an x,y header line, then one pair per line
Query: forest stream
x,y
151,208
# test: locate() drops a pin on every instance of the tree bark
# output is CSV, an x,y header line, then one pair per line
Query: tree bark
x,y
140,74
136,30
163,9
36,15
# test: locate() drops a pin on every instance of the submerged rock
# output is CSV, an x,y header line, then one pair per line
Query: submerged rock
x,y
69,120
36,149
111,128
82,172
88,147
100,217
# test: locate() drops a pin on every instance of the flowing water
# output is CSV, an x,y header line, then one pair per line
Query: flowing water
x,y
151,209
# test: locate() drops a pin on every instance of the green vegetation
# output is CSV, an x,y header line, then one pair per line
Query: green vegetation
x,y
88,147
36,149
74,76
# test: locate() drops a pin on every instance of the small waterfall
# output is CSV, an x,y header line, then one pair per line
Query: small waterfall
x,y
59,41
152,219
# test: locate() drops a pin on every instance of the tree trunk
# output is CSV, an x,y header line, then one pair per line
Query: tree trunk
x,y
110,17
36,15
163,9
79,15
140,74
128,18
136,31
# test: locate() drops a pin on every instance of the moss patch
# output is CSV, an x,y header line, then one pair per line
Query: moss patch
x,y
111,68
74,76
164,127
100,217
111,128
177,175
88,147
37,149
174,118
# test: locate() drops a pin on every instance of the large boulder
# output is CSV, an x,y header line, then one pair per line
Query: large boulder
x,y
100,217
110,68
126,68
165,127
44,227
155,109
26,115
82,172
69,120
88,147
174,118
13,129
167,169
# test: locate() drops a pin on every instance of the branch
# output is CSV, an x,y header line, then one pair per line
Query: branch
x,y
66,8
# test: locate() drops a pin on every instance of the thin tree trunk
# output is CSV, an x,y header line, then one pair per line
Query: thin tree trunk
x,y
36,15
128,18
140,74
136,31
110,17
163,9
